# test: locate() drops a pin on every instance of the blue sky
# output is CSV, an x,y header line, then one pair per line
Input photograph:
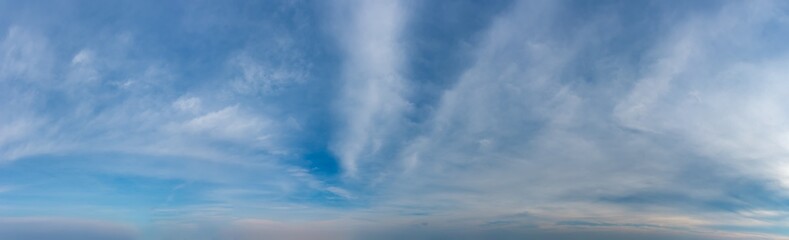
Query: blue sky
x,y
144,120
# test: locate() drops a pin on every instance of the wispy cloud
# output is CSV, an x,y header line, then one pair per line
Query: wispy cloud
x,y
26,55
372,100
395,120
522,130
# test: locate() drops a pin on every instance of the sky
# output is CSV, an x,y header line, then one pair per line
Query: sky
x,y
394,119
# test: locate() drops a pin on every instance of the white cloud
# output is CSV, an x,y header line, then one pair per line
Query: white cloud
x,y
188,104
23,136
83,69
256,77
107,99
16,130
227,123
521,131
82,57
340,192
725,108
25,55
372,99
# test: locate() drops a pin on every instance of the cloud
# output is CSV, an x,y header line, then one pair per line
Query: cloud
x,y
522,130
17,136
372,100
26,56
83,68
109,99
188,104
549,119
226,123
340,192
259,77
724,108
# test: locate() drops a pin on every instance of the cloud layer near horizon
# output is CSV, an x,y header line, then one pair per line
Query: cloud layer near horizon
x,y
394,120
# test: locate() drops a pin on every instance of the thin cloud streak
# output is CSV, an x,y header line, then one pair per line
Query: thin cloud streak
x,y
372,101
